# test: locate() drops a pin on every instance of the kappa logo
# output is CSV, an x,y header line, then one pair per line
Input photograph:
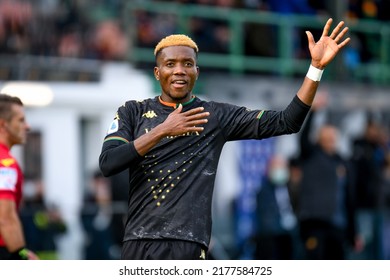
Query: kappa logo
x,y
149,114
7,162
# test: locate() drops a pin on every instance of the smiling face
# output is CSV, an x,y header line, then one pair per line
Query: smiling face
x,y
177,72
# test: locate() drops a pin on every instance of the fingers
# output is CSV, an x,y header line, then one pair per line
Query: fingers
x,y
337,30
190,120
179,108
193,111
327,27
310,39
343,43
196,125
196,113
341,34
336,34
198,116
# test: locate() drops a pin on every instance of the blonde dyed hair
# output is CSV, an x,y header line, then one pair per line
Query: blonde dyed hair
x,y
176,40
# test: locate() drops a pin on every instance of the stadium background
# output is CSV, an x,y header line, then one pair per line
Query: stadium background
x,y
82,59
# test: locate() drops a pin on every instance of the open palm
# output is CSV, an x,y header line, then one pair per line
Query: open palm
x,y
323,51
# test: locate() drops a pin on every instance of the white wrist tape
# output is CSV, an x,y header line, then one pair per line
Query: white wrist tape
x,y
314,74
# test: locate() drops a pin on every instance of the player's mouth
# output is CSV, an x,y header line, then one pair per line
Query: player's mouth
x,y
179,83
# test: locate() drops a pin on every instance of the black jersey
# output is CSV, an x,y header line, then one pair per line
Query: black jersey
x,y
171,186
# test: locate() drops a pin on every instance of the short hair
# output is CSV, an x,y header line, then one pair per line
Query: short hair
x,y
6,102
176,40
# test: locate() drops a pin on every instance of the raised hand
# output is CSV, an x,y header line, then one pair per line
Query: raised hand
x,y
327,47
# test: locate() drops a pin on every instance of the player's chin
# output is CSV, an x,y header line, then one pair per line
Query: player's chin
x,y
179,95
22,140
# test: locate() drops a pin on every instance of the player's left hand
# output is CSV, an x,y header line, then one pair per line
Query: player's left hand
x,y
323,51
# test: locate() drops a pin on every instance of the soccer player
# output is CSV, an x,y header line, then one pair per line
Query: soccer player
x,y
13,131
171,145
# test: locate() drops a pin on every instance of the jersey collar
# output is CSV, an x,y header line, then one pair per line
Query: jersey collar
x,y
175,105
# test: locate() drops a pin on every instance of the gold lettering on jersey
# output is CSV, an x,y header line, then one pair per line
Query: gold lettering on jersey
x,y
116,116
190,133
149,114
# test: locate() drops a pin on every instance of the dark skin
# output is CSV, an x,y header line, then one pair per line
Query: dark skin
x,y
177,72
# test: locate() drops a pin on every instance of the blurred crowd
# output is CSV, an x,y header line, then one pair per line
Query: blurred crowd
x,y
95,29
321,203
61,28
333,207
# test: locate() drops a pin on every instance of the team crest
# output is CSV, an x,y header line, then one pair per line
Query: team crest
x,y
113,126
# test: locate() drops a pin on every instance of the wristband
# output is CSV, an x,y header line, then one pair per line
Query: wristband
x,y
21,254
314,73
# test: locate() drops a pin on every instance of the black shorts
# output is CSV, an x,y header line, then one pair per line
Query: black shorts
x,y
4,254
164,249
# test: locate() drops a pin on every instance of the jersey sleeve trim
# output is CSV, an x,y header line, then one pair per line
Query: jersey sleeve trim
x,y
260,114
116,138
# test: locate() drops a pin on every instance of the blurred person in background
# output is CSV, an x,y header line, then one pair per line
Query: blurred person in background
x,y
119,195
369,158
171,145
326,202
386,218
15,19
13,131
109,41
276,222
42,223
97,220
295,176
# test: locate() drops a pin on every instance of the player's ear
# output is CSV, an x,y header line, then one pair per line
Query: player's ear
x,y
156,73
3,124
